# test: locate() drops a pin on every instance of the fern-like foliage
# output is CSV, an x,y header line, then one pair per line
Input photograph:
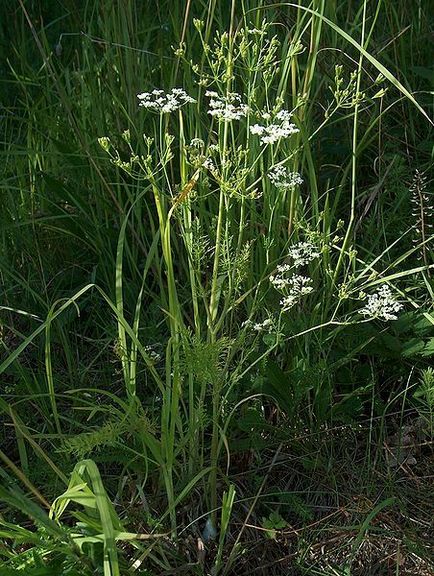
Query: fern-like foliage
x,y
205,360
113,432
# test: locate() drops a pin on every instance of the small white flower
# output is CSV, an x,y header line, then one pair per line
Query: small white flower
x,y
256,31
257,129
226,108
266,326
282,178
256,194
158,101
292,287
179,92
284,115
298,286
153,355
382,304
302,253
288,302
279,282
209,165
301,284
274,132
197,143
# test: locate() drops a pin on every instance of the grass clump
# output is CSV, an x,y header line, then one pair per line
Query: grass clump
x,y
217,316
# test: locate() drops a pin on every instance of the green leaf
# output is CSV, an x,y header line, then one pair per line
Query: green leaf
x,y
277,385
428,349
413,347
251,421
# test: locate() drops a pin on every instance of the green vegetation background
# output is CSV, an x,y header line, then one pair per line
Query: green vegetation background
x,y
70,73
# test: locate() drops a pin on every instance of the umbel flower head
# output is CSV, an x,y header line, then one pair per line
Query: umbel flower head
x,y
292,287
266,326
302,253
158,101
382,304
282,178
280,128
227,107
297,287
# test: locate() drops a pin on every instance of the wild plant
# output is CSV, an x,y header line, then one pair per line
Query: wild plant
x,y
425,398
423,214
234,258
245,274
90,545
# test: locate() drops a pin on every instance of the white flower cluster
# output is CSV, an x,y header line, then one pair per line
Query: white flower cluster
x,y
274,132
197,143
158,101
153,355
382,304
279,281
298,286
209,165
228,107
282,178
257,31
266,326
293,287
302,253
